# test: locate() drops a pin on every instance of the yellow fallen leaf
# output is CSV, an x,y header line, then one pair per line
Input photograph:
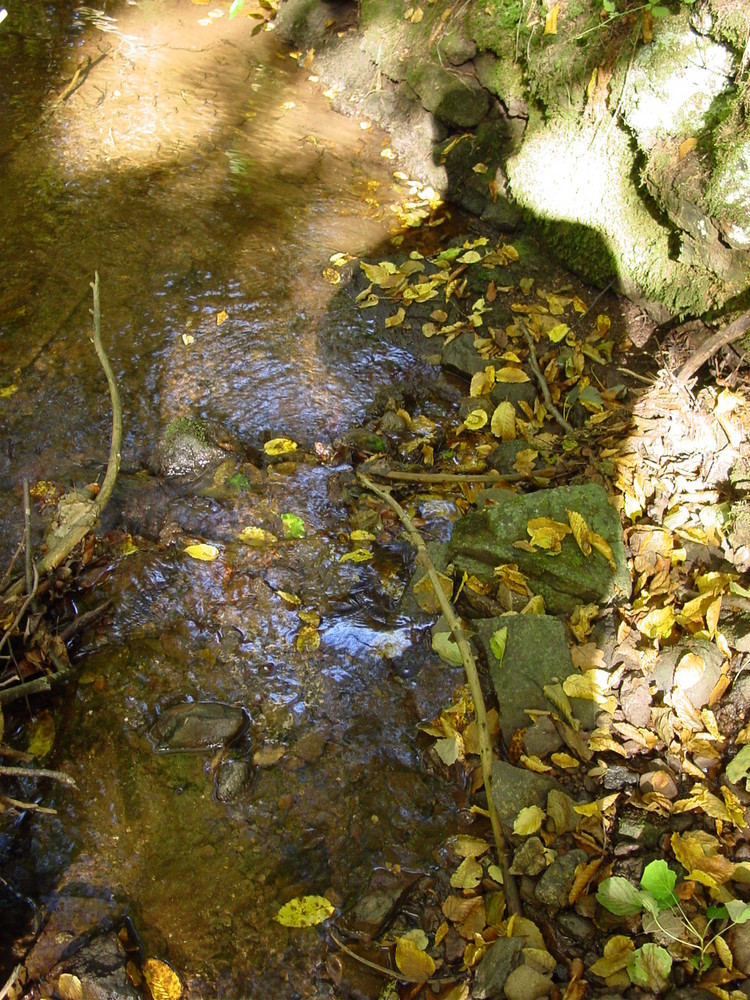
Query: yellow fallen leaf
x,y
412,961
509,374
535,764
42,735
311,617
503,423
358,535
289,598
396,319
565,761
256,536
550,21
162,980
466,846
617,953
308,639
202,551
356,555
279,446
580,531
305,911
659,622
557,332
470,257
546,533
331,275
475,420
221,317
528,821
468,875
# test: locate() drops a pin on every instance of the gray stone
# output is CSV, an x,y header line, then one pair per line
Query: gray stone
x,y
461,356
525,983
536,654
232,778
202,725
575,926
486,539
503,458
514,788
553,888
372,911
542,738
456,48
529,858
493,970
455,97
188,448
638,829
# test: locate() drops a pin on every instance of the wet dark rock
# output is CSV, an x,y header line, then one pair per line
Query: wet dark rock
x,y
73,921
371,913
553,888
514,788
100,966
573,925
232,778
189,447
618,776
536,654
461,356
483,540
493,970
542,738
354,979
203,725
503,458
529,858
310,747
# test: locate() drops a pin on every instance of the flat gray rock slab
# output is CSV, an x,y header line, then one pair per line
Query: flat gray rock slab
x,y
201,725
515,788
482,540
537,653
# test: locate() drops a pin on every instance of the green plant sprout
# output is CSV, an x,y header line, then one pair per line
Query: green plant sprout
x,y
663,913
610,13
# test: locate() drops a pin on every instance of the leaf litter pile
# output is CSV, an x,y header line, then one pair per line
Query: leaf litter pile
x,y
633,862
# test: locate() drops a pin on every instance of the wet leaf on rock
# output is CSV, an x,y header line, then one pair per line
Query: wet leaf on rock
x,y
466,846
162,980
497,643
356,555
468,875
305,911
308,639
257,537
503,423
294,526
475,420
202,551
528,821
446,648
280,446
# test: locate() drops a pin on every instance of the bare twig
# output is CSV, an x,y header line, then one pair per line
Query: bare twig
x,y
33,687
22,610
11,982
731,333
37,772
568,428
385,971
77,531
27,806
29,560
472,676
9,570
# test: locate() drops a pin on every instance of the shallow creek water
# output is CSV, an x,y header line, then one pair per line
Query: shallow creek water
x,y
198,170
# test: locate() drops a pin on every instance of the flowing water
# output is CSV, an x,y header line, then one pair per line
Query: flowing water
x,y
200,172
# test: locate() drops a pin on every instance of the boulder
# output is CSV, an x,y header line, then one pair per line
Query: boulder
x,y
487,538
202,725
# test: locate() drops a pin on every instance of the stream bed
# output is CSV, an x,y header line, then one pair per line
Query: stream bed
x,y
208,182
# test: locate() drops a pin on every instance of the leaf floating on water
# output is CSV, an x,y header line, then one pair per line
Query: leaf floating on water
x,y
256,537
279,446
162,981
202,551
222,317
332,276
412,961
289,598
294,526
304,911
42,735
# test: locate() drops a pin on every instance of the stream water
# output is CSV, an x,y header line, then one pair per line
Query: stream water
x,y
199,171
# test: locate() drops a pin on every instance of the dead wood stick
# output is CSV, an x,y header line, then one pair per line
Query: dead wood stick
x,y
84,620
37,772
385,971
22,610
77,531
455,477
27,806
472,676
11,982
731,333
29,560
9,570
46,683
568,428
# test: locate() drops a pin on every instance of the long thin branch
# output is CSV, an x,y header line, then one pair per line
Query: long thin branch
x,y
543,383
472,676
26,806
37,772
46,683
733,332
77,531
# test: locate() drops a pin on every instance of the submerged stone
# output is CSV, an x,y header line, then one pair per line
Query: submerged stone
x,y
188,448
487,538
203,725
232,779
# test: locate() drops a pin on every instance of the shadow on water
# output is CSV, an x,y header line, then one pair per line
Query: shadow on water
x,y
200,173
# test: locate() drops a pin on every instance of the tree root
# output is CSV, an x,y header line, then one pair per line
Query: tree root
x,y
472,676
726,336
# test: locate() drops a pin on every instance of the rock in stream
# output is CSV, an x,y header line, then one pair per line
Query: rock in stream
x,y
196,726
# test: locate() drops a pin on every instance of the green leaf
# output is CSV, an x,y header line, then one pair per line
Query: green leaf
x,y
619,896
446,648
717,912
660,11
294,526
739,766
238,481
650,967
650,905
659,879
739,912
235,8
497,643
